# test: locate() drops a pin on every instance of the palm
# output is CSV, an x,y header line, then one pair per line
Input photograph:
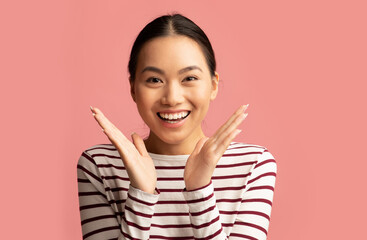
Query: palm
x,y
139,165
140,168
197,166
203,160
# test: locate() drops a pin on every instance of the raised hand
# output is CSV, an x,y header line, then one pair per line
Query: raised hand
x,y
138,163
201,163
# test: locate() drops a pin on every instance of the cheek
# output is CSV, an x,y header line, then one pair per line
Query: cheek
x,y
143,107
145,101
142,96
201,96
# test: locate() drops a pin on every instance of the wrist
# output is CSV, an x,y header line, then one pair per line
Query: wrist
x,y
150,190
195,188
195,185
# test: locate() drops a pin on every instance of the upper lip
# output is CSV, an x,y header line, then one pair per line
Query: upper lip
x,y
174,111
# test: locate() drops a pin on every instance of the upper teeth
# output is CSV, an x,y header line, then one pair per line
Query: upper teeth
x,y
173,116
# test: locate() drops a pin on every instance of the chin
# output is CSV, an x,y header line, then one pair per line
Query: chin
x,y
172,139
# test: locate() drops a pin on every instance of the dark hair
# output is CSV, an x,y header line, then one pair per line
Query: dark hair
x,y
171,24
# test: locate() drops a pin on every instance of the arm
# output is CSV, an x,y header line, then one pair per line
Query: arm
x,y
253,217
204,214
98,219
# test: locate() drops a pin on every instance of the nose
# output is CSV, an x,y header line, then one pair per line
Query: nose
x,y
173,94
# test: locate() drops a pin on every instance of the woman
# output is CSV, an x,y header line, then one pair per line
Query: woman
x,y
177,183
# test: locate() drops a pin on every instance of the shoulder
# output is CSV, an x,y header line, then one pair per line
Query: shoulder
x,y
97,162
245,147
252,153
244,151
99,154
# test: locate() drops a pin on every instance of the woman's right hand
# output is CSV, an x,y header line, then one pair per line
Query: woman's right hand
x,y
139,165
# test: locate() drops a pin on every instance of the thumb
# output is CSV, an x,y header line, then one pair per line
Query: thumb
x,y
139,144
200,144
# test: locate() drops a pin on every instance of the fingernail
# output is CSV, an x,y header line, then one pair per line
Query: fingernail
x,y
246,106
132,133
102,129
91,108
244,115
238,131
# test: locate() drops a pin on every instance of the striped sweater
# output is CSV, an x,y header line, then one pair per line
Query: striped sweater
x,y
236,204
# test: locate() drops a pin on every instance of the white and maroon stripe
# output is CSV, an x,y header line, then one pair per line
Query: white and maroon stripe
x,y
239,204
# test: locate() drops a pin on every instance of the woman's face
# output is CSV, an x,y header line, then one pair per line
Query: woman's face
x,y
173,88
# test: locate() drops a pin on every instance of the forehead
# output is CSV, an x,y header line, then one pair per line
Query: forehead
x,y
171,53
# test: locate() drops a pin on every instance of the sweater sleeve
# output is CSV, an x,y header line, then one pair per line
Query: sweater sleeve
x,y
204,214
253,217
98,219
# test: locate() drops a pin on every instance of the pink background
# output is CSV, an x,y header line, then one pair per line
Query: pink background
x,y
301,66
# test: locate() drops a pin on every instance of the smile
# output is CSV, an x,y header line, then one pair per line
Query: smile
x,y
173,117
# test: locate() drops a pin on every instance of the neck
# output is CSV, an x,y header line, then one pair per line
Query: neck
x,y
154,144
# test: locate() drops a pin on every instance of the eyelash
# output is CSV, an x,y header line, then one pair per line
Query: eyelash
x,y
195,78
150,79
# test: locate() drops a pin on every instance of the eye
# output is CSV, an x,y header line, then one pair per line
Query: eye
x,y
153,80
191,78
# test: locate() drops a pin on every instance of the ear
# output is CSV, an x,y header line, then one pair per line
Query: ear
x,y
132,89
215,81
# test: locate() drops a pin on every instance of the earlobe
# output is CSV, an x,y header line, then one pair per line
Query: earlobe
x,y
215,81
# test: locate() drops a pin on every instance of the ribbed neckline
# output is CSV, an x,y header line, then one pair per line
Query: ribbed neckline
x,y
156,156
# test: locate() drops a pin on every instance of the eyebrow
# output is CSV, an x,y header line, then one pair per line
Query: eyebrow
x,y
155,69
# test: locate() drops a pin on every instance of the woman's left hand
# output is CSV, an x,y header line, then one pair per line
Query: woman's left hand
x,y
201,163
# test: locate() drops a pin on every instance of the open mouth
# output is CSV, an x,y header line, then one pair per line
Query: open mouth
x,y
173,118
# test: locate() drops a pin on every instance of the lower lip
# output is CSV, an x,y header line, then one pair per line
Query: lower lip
x,y
173,125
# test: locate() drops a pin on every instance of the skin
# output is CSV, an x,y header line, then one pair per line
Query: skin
x,y
157,92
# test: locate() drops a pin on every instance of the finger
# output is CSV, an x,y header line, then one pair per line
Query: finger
x,y
102,119
232,127
117,138
107,125
224,138
230,137
126,148
199,145
226,141
239,112
224,144
139,144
